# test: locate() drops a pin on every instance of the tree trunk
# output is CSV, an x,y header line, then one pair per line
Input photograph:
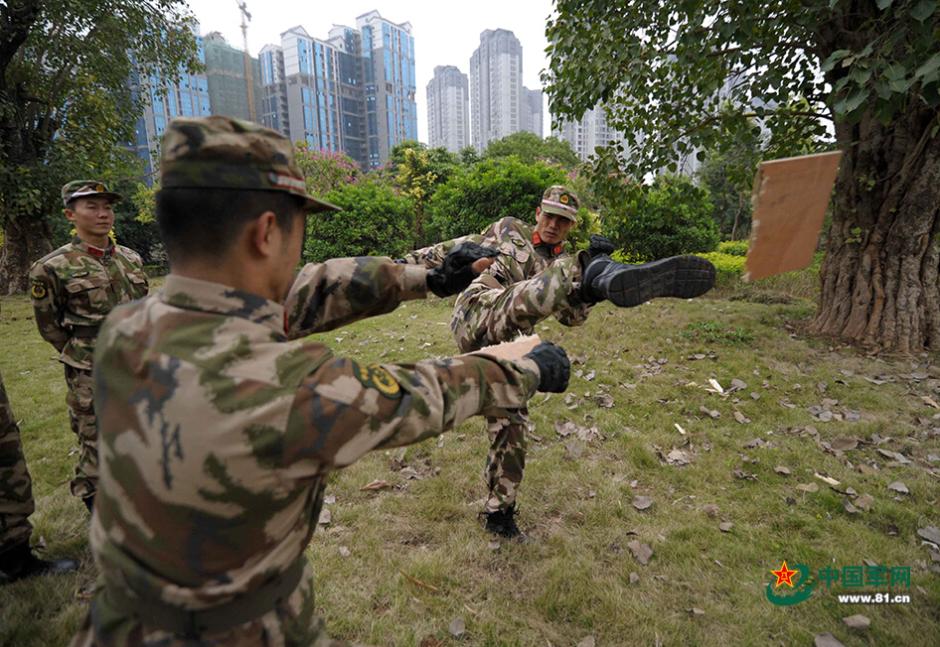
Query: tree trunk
x,y
879,277
26,239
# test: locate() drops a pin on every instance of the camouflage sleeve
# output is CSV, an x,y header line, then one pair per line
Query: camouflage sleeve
x,y
345,409
433,256
342,290
44,290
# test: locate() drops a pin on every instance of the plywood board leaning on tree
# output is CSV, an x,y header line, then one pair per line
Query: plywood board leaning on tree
x,y
790,199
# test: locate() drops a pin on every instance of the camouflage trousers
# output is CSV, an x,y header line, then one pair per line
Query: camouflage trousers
x,y
487,313
292,623
16,492
81,402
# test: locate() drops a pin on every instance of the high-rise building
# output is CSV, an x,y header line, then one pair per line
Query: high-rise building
x,y
448,109
532,111
388,52
588,133
225,73
187,97
273,90
495,87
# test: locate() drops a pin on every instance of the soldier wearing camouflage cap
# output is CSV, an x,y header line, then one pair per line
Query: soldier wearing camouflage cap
x,y
219,425
73,289
533,278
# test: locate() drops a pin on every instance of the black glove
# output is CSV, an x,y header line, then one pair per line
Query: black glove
x,y
600,246
554,367
456,273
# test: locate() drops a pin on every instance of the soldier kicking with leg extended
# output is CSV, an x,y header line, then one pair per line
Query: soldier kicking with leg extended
x,y
533,278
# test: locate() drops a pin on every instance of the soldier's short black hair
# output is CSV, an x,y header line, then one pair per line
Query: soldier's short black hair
x,y
206,222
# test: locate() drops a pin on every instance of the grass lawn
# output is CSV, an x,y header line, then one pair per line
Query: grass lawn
x,y
408,564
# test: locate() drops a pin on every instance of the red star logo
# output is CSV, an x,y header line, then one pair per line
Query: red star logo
x,y
784,575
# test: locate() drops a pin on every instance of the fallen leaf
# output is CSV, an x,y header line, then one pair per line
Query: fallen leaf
x,y
493,545
725,526
851,509
930,533
826,640
744,476
710,509
757,442
590,375
828,480
930,401
864,501
716,385
329,499
711,413
642,502
896,456
587,641
857,622
783,471
431,641
457,627
325,517
740,417
634,578
808,487
695,611
604,401
899,487
678,457
844,444
641,552
377,484
679,428
344,551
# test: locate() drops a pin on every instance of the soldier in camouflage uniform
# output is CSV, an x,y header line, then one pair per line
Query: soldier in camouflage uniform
x,y
73,290
218,433
534,277
16,504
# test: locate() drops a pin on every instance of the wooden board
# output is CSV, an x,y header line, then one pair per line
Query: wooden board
x,y
790,199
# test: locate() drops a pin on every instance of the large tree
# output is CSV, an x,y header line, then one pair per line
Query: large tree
x,y
693,74
67,109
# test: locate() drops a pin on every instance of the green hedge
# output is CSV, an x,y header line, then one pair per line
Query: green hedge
x,y
733,247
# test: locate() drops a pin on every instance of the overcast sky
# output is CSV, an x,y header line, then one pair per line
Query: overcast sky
x,y
445,33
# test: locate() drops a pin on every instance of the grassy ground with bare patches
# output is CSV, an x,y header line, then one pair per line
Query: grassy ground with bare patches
x,y
397,566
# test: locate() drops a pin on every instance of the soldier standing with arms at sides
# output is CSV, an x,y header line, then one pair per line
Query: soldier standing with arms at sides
x,y
73,289
218,433
17,561
534,277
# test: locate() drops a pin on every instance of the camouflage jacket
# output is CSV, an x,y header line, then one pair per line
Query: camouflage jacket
x,y
75,287
520,260
217,432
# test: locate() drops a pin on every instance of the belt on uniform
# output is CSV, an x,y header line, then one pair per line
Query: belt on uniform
x,y
156,613
85,332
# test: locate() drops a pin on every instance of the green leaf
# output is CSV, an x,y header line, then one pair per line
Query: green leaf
x,y
895,71
850,103
923,10
884,4
860,74
932,64
834,58
901,86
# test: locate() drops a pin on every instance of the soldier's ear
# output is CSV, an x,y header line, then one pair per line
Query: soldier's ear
x,y
69,214
264,235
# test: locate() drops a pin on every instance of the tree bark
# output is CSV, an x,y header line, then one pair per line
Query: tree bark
x,y
25,241
879,277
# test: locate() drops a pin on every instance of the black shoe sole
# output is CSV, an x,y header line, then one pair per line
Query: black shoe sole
x,y
682,277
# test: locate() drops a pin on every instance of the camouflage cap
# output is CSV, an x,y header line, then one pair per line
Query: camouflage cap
x,y
87,189
226,153
561,201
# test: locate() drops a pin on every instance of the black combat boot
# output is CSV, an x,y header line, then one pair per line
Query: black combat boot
x,y
89,502
630,285
503,523
20,562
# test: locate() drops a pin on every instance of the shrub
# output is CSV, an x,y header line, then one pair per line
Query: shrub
x,y
474,198
671,217
375,221
733,247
